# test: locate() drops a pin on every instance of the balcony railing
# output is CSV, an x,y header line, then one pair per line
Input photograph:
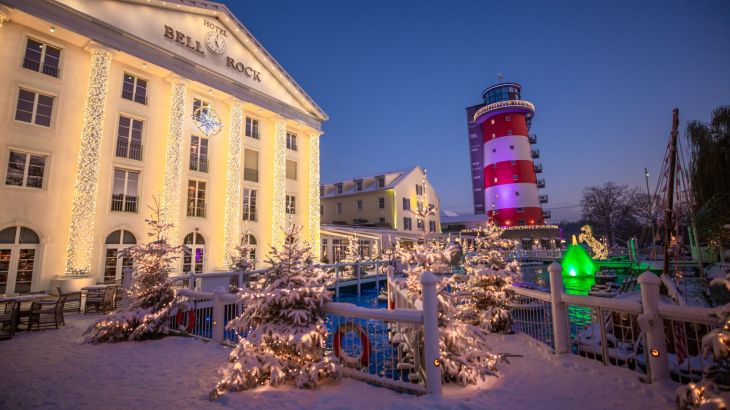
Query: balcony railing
x,y
45,69
546,214
532,138
132,150
122,203
251,174
541,183
199,164
538,168
128,95
543,199
535,153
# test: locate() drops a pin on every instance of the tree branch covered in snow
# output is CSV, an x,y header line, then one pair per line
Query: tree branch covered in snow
x,y
282,325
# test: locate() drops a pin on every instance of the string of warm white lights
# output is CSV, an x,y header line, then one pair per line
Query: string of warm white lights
x,y
83,211
279,183
314,215
173,160
232,219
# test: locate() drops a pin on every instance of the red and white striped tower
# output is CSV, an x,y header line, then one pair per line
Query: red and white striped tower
x,y
511,195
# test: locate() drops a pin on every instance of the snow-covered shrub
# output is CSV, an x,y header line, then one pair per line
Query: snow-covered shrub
x,y
151,295
282,326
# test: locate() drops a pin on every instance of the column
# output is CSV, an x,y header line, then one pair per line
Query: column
x,y
314,214
83,209
279,183
232,224
171,191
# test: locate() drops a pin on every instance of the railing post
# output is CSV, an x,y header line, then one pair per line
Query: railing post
x,y
390,275
652,325
432,355
191,281
559,311
337,282
218,315
240,279
358,271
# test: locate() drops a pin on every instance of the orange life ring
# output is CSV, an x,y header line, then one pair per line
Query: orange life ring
x,y
364,357
180,319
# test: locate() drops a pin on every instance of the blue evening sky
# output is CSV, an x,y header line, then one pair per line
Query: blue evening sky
x,y
395,77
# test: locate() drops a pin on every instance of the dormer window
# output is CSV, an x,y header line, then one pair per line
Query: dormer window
x,y
380,180
358,185
339,187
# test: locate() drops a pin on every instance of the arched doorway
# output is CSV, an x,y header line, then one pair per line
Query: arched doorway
x,y
114,266
194,261
19,256
251,241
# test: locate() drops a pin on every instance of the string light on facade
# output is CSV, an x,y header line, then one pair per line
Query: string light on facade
x,y
232,219
314,204
173,159
83,211
279,183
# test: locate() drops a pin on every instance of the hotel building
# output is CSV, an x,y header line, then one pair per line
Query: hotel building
x,y
109,107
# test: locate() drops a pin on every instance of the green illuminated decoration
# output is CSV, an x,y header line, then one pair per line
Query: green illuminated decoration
x,y
576,262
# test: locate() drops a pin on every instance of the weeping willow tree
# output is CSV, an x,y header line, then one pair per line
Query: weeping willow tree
x,y
710,173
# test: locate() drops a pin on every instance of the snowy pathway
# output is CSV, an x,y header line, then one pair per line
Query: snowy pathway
x,y
52,369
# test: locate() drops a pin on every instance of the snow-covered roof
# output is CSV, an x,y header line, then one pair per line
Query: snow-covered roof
x,y
369,183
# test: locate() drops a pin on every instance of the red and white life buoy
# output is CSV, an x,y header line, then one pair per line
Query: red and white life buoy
x,y
180,320
363,358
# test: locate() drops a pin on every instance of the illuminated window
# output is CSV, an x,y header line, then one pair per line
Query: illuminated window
x,y
193,261
42,58
291,170
200,106
134,88
198,154
495,180
249,204
508,118
125,191
34,107
252,128
291,141
196,198
492,121
291,205
25,169
251,166
514,177
420,225
129,138
494,135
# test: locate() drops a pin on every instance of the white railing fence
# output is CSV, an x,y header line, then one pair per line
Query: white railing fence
x,y
658,340
395,347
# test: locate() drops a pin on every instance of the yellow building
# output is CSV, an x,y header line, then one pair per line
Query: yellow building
x,y
389,200
110,105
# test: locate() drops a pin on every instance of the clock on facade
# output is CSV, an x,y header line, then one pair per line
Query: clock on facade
x,y
215,42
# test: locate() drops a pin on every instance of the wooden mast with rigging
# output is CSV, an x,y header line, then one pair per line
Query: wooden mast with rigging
x,y
669,210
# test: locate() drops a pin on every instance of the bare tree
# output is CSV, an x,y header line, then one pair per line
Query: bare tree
x,y
612,209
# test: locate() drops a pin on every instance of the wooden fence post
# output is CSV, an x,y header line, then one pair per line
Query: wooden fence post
x,y
559,310
432,354
652,325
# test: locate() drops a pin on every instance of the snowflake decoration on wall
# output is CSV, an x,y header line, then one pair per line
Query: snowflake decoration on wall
x,y
207,120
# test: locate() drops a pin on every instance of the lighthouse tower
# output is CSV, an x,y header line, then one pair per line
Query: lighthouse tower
x,y
504,174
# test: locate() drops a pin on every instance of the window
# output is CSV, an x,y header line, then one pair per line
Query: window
x,y
381,202
508,118
41,57
324,251
381,220
321,210
339,249
339,207
509,132
252,128
125,190
251,166
513,162
358,205
406,204
511,147
358,185
291,141
321,190
419,205
194,260
339,187
116,266
517,193
520,209
199,107
26,170
380,180
196,198
34,108
514,177
291,205
420,225
495,180
134,88
18,248
129,138
494,150
407,224
249,204
432,226
365,247
420,189
494,135
198,154
250,240
291,170
492,121
520,222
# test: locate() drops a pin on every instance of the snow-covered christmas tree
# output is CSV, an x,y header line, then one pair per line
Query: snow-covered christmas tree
x,y
151,295
282,326
352,255
242,259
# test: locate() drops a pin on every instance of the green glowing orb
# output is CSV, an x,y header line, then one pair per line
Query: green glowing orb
x,y
576,262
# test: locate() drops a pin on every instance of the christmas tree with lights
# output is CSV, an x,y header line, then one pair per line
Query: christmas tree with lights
x,y
282,326
151,295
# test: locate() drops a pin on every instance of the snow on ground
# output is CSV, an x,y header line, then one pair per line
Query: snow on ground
x,y
53,369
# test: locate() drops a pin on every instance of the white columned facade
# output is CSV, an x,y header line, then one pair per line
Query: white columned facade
x,y
314,205
171,192
83,211
279,219
232,224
